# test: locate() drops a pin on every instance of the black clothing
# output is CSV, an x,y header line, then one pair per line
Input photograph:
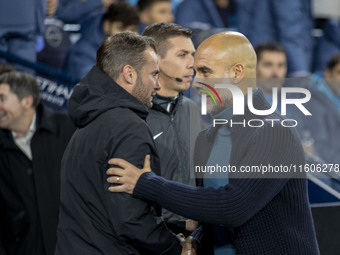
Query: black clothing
x,y
111,123
174,123
29,189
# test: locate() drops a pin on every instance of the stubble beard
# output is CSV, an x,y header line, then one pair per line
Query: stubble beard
x,y
140,92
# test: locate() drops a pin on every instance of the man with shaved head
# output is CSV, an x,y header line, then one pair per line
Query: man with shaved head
x,y
241,213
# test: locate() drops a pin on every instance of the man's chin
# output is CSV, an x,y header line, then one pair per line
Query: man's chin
x,y
149,105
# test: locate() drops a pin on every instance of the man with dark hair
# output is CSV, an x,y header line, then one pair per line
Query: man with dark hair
x,y
118,18
319,132
330,85
323,127
206,13
154,11
271,67
4,68
170,116
109,107
32,142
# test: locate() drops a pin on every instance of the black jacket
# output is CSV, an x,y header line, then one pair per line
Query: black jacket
x,y
173,131
29,190
111,123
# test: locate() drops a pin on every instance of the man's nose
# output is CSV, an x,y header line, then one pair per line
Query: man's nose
x,y
157,84
171,18
191,62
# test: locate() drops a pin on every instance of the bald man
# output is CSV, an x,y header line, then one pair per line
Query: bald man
x,y
239,214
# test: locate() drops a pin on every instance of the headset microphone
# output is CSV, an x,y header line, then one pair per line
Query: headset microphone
x,y
173,78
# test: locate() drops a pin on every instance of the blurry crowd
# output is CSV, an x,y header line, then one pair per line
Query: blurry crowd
x,y
66,33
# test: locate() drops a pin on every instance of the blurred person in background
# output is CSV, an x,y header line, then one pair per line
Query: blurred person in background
x,y
271,68
21,27
174,3
328,82
82,56
76,11
56,42
288,22
32,142
319,132
209,13
154,11
4,68
327,45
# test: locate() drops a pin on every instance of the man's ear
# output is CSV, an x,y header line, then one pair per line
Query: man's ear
x,y
129,75
237,73
143,16
106,27
27,102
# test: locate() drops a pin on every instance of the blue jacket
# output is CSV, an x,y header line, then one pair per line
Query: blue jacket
x,y
322,127
22,16
76,11
82,55
288,22
328,45
203,11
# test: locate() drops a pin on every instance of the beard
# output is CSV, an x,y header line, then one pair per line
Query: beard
x,y
140,92
227,100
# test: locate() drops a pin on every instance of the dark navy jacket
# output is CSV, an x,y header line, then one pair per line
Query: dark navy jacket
x,y
22,16
82,55
269,215
288,22
203,11
328,45
76,11
29,189
111,124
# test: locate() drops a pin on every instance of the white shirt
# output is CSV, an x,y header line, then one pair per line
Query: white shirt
x,y
24,142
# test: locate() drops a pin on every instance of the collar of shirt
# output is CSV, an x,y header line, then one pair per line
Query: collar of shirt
x,y
24,142
225,114
167,103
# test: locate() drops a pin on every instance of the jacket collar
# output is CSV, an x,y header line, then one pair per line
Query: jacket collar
x,y
159,102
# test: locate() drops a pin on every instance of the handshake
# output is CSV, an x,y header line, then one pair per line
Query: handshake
x,y
189,244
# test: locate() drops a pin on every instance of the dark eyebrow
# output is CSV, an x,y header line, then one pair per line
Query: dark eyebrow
x,y
203,69
186,52
155,72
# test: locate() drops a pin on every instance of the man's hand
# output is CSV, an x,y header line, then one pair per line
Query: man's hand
x,y
127,176
189,246
191,225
